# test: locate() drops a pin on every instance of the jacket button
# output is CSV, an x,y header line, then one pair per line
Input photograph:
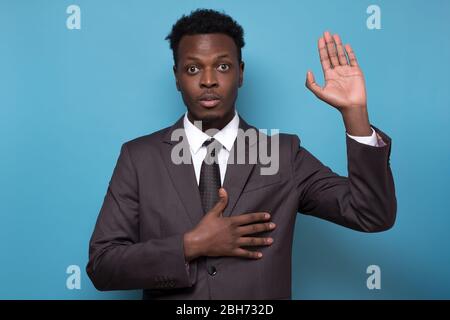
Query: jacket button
x,y
212,270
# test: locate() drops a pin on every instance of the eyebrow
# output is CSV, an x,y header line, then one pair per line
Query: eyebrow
x,y
224,55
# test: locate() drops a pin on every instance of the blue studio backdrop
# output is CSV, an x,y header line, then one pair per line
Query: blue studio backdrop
x,y
79,78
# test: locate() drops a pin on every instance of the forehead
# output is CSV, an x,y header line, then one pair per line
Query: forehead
x,y
206,45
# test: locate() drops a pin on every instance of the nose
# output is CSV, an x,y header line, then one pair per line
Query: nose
x,y
208,79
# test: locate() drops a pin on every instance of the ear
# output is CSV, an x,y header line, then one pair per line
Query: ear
x,y
176,78
241,73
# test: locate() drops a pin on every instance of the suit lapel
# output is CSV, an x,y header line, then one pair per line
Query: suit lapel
x,y
183,176
237,173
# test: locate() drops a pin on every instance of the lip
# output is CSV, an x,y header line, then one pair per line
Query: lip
x,y
209,99
209,103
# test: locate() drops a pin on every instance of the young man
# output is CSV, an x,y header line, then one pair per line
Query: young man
x,y
165,228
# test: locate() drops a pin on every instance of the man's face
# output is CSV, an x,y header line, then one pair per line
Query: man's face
x,y
208,75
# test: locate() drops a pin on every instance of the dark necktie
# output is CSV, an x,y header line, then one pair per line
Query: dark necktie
x,y
210,175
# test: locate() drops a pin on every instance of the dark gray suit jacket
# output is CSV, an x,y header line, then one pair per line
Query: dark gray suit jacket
x,y
151,202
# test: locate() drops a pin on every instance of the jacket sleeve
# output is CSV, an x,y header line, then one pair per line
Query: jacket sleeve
x,y
363,201
117,258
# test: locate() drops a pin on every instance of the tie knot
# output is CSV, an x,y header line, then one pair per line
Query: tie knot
x,y
208,142
211,146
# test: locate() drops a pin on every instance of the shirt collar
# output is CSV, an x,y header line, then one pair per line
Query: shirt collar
x,y
197,137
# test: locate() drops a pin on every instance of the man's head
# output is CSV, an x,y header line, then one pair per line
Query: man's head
x,y
208,65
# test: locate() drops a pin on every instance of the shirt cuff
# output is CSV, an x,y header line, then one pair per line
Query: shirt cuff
x,y
371,140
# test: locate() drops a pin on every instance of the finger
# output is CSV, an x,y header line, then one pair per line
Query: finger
x,y
323,53
255,228
250,218
220,206
254,241
351,56
239,252
331,48
340,50
312,85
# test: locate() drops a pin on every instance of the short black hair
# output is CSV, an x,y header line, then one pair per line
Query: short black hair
x,y
203,21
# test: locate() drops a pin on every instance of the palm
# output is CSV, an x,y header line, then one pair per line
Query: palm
x,y
344,82
344,86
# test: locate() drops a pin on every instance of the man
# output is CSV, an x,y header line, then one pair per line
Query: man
x,y
167,228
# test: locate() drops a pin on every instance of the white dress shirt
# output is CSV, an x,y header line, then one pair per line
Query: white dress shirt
x,y
196,138
226,137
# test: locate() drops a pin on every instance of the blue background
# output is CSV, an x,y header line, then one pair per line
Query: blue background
x,y
70,98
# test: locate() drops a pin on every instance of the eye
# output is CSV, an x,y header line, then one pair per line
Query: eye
x,y
192,69
224,67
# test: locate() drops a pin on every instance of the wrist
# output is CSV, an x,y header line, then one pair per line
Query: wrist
x,y
356,121
191,245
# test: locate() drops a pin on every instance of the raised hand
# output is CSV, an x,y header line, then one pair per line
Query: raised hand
x,y
344,86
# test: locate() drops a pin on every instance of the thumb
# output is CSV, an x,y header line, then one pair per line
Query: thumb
x,y
221,204
312,85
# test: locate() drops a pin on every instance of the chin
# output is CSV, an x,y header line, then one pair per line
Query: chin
x,y
207,115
